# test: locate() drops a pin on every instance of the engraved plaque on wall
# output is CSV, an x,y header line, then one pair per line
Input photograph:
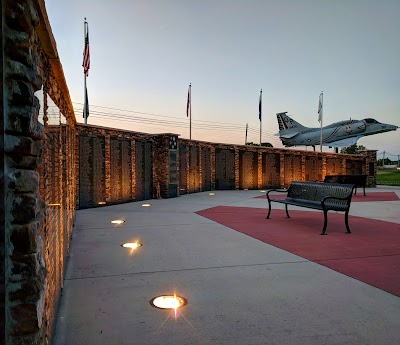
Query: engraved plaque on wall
x,y
292,168
194,170
224,169
143,170
248,168
206,168
173,173
120,163
182,169
271,171
353,167
333,166
313,168
91,170
173,167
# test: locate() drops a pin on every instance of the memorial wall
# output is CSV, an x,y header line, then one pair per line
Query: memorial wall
x,y
114,166
91,171
224,169
248,168
144,176
271,170
117,166
207,166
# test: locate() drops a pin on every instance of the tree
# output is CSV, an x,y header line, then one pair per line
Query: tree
x,y
262,144
352,149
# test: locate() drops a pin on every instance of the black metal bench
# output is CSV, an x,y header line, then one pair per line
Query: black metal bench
x,y
359,181
319,196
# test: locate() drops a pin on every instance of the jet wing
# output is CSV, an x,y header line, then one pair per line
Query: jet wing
x,y
343,143
288,135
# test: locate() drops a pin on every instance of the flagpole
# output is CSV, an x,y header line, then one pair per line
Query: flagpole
x,y
86,66
320,117
85,90
260,113
245,140
190,110
85,105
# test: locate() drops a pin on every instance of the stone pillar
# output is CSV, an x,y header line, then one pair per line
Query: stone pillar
x,y
237,168
133,168
107,163
212,163
282,169
369,167
303,167
259,170
23,274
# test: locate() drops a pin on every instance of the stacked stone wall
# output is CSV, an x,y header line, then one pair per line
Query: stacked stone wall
x,y
252,167
37,170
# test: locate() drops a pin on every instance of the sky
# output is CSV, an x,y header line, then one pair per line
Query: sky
x,y
144,54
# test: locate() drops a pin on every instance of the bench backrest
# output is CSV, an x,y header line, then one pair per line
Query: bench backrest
x,y
316,191
357,180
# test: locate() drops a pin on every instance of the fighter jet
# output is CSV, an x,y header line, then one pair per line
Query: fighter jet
x,y
338,134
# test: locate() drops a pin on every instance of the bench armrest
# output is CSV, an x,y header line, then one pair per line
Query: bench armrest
x,y
335,198
276,190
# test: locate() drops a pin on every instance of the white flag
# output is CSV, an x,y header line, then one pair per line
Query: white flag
x,y
320,107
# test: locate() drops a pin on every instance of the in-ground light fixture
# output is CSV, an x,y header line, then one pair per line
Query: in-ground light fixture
x,y
131,245
117,221
169,302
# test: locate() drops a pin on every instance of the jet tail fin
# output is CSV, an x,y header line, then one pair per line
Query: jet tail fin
x,y
287,126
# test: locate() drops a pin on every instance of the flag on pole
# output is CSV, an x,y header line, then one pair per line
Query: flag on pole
x,y
320,107
86,51
188,101
260,106
86,106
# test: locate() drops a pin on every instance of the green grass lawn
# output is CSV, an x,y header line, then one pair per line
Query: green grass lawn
x,y
388,177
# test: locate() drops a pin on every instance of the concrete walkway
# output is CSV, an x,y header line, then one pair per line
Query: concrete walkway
x,y
239,290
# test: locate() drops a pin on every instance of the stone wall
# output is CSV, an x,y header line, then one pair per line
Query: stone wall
x,y
34,233
253,167
108,173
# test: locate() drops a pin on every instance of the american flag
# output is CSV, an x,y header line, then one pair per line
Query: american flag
x,y
86,51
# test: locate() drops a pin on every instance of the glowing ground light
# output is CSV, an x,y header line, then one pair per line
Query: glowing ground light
x,y
211,193
246,189
101,203
117,221
168,302
146,205
263,191
131,245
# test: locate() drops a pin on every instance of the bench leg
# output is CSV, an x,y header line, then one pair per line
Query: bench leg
x,y
346,219
287,213
269,209
325,222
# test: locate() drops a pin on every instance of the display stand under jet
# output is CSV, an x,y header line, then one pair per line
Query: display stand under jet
x,y
339,134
